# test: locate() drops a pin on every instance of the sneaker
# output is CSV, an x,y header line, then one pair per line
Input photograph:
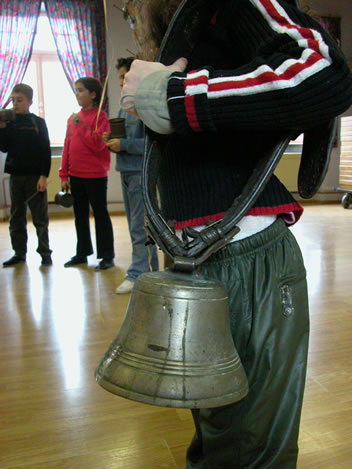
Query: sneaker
x,y
125,287
46,260
76,260
14,260
105,264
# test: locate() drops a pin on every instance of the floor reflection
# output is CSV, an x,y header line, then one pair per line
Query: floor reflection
x,y
68,307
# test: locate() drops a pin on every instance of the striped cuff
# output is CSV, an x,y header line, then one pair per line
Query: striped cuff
x,y
187,97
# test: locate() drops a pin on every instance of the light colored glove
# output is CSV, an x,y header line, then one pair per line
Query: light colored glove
x,y
144,92
151,102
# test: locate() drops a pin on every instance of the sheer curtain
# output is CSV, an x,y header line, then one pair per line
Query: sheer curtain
x,y
18,24
79,32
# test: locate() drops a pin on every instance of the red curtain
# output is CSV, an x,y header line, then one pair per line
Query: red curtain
x,y
79,30
18,26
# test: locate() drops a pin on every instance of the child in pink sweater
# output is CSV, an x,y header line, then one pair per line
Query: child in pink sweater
x,y
84,167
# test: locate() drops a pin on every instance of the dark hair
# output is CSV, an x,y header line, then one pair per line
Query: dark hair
x,y
150,20
24,89
124,62
91,84
161,13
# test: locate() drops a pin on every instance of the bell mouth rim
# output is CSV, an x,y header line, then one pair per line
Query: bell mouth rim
x,y
217,401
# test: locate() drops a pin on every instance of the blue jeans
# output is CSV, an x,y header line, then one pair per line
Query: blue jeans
x,y
134,206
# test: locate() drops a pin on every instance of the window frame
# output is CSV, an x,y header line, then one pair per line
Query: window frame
x,y
38,57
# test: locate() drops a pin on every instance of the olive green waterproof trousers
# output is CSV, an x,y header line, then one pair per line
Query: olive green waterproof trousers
x,y
266,283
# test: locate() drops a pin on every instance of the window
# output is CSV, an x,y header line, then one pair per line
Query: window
x,y
53,97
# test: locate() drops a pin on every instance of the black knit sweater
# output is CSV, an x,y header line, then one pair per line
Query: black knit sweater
x,y
26,142
259,66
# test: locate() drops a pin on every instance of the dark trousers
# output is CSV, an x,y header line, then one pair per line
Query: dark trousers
x,y
22,188
266,284
92,192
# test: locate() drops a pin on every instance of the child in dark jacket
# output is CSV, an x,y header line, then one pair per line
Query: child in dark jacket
x,y
26,142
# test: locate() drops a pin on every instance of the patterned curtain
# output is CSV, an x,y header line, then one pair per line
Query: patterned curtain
x,y
78,27
18,26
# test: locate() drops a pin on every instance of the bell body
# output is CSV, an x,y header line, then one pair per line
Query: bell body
x,y
174,347
64,199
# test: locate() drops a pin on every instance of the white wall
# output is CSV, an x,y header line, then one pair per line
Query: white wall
x,y
119,38
4,189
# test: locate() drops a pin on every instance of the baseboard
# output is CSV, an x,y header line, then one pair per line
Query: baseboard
x,y
331,197
4,213
113,207
118,208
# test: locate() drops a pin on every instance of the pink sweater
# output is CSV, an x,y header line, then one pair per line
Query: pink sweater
x,y
85,155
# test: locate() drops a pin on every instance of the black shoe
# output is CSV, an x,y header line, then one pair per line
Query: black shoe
x,y
46,260
75,260
105,264
14,260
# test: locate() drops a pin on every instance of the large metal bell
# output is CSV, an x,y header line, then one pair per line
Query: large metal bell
x,y
174,347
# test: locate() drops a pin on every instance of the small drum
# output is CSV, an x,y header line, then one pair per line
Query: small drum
x,y
117,127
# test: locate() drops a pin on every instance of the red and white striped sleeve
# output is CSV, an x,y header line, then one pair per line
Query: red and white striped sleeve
x,y
295,76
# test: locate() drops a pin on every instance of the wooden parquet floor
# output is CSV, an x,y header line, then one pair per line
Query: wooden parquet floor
x,y
56,323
